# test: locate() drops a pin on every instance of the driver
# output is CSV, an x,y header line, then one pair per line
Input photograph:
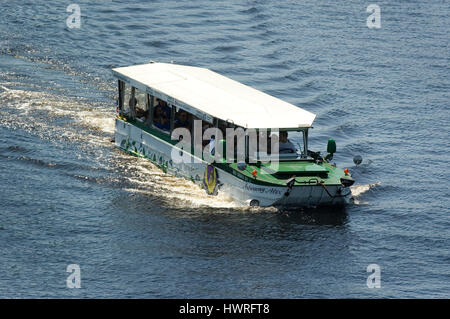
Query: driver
x,y
285,144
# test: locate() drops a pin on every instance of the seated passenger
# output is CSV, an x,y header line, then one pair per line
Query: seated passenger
x,y
132,102
165,109
126,111
212,145
159,120
205,126
141,114
285,145
182,120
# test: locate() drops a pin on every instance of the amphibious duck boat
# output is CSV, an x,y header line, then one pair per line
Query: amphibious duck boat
x,y
224,136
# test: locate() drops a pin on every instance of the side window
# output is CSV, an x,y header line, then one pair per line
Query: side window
x,y
291,142
126,111
196,144
183,119
129,101
141,106
222,125
296,138
205,126
161,115
120,99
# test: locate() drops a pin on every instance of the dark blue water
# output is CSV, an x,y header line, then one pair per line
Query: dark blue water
x,y
67,196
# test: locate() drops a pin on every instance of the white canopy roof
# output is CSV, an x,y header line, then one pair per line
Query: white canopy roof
x,y
216,95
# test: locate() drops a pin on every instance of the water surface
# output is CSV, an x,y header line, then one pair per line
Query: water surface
x,y
69,197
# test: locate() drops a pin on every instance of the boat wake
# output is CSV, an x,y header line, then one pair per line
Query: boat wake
x,y
358,190
54,116
176,192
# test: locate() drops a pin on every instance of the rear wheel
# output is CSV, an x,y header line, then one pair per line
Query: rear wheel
x,y
254,203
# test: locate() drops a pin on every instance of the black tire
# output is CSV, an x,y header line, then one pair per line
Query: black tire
x,y
254,203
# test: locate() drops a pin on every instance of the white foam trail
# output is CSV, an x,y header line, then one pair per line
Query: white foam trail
x,y
358,190
94,118
100,120
4,88
178,191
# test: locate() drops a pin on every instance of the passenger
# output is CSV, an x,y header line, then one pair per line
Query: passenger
x,y
141,114
132,103
182,120
212,145
205,126
159,120
131,107
285,144
165,109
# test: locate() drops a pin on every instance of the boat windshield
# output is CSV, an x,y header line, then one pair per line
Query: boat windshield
x,y
297,139
290,146
289,142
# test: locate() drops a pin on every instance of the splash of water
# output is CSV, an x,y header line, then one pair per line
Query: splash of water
x,y
358,190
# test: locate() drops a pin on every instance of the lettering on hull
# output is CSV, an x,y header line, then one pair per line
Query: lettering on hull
x,y
262,190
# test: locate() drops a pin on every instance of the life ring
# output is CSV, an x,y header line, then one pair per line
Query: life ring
x,y
210,180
